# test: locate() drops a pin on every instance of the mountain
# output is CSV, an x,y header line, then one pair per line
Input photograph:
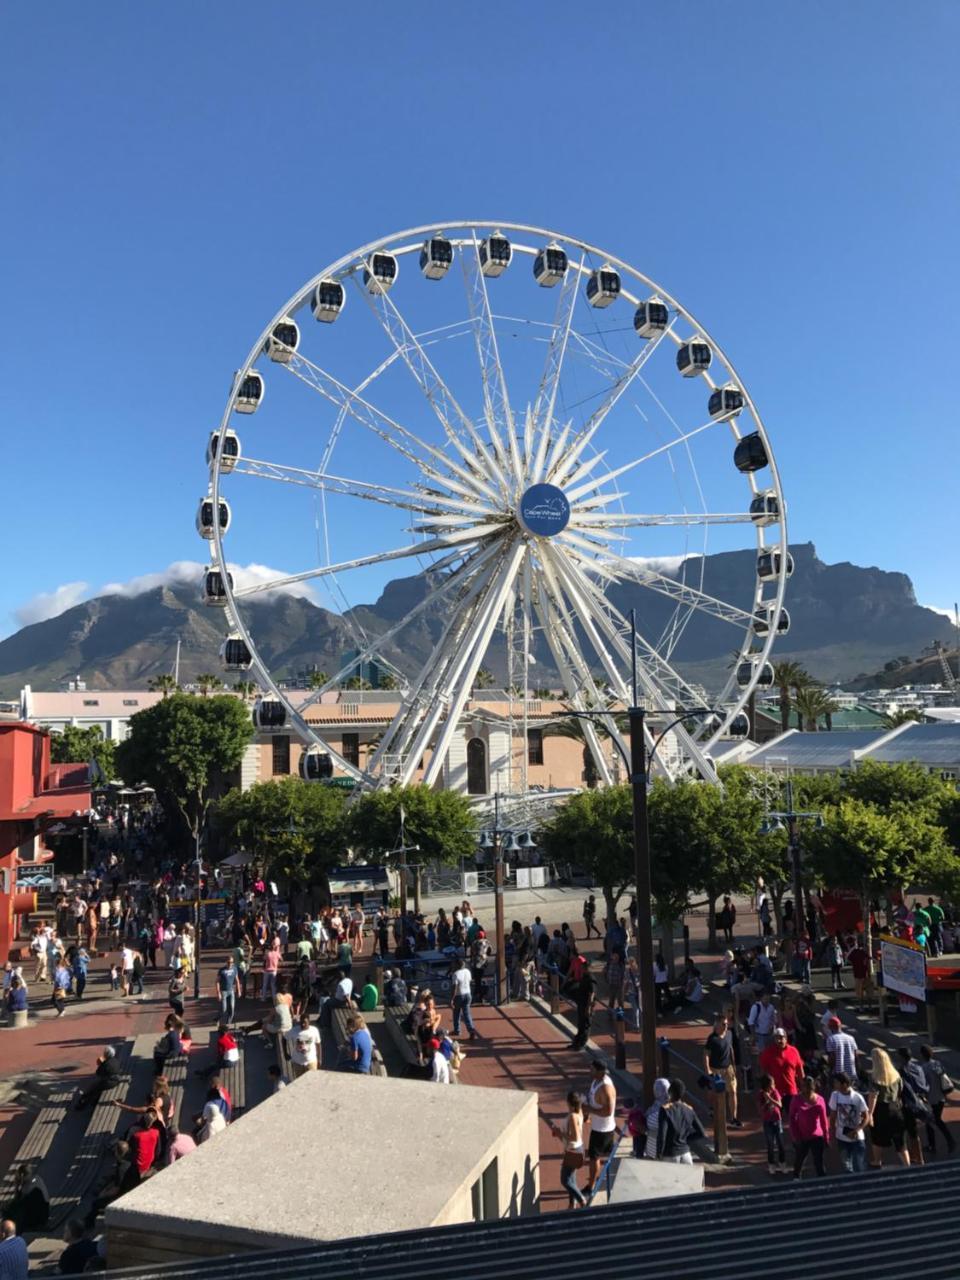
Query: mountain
x,y
845,619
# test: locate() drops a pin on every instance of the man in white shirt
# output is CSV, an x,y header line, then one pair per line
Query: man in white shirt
x,y
343,992
848,1115
303,1040
126,970
762,1021
462,998
38,946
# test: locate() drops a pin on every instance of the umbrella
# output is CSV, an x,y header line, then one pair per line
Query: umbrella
x,y
236,860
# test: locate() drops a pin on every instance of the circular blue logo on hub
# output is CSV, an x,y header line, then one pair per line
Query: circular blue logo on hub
x,y
544,510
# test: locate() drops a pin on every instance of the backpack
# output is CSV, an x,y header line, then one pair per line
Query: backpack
x,y
914,1099
637,1122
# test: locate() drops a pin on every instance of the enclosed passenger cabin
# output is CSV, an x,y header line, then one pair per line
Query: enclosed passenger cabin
x,y
436,257
751,666
315,765
284,339
205,517
234,654
327,300
694,357
763,616
229,450
750,454
550,265
725,401
739,726
212,590
269,715
765,508
603,286
651,318
768,565
380,273
250,392
495,254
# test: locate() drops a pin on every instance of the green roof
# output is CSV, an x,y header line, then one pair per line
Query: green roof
x,y
857,718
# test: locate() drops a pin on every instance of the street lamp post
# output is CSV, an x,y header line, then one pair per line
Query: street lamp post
x,y
198,906
793,818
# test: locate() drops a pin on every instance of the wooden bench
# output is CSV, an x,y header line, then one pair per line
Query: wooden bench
x,y
36,1145
233,1079
104,1123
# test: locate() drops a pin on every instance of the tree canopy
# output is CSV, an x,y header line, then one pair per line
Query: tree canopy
x,y
182,745
440,822
74,744
297,829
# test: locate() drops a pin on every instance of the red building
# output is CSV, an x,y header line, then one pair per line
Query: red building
x,y
34,794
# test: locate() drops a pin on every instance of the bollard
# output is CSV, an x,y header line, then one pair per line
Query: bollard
x,y
686,944
19,1018
663,1044
619,1030
555,991
720,1145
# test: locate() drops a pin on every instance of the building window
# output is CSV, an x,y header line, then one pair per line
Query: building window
x,y
91,702
350,748
131,702
534,746
484,1194
281,754
476,767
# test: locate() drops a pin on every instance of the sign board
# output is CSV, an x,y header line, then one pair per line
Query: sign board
x,y
183,911
538,877
471,882
904,967
523,877
341,784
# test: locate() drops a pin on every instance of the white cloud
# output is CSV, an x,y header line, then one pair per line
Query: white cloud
x,y
668,565
947,613
47,604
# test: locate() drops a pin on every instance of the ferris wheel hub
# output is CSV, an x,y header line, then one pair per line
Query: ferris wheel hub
x,y
543,510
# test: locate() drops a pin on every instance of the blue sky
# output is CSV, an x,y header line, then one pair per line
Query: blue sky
x,y
172,172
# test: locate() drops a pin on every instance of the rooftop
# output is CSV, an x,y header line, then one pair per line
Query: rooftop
x,y
929,744
825,750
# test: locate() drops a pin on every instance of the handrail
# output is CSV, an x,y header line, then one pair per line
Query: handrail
x,y
606,1170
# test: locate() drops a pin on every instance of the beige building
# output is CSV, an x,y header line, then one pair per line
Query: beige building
x,y
419,1155
487,754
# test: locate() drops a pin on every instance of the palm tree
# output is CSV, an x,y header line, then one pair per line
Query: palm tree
x,y
164,684
790,678
317,679
388,681
574,727
811,702
245,688
894,719
484,678
207,682
357,682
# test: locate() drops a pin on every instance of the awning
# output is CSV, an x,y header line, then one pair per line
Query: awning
x,y
237,860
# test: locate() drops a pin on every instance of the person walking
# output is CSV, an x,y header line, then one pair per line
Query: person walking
x,y
590,917
835,955
271,967
79,966
584,997
228,988
303,1040
783,1062
462,998
770,1105
600,1105
938,1085
848,1115
841,1049
718,1060
809,1127
885,1105
570,1133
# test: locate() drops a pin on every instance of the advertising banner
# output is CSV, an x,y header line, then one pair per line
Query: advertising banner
x,y
904,967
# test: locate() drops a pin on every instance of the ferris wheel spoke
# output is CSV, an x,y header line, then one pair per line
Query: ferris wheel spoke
x,y
496,399
629,466
574,675
400,438
471,535
540,420
439,396
457,580
619,520
621,567
560,467
327,482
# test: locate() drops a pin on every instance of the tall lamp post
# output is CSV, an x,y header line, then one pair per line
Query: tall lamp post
x,y
197,909
639,766
792,818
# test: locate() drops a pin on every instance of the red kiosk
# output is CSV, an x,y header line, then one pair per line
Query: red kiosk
x,y
34,794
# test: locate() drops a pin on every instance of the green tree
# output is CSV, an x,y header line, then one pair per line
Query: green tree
x,y
357,682
789,677
246,689
164,683
181,746
317,679
887,785
296,828
440,822
388,681
484,679
206,682
74,744
594,829
906,715
813,703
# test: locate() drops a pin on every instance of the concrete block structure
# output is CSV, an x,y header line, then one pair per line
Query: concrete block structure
x,y
416,1155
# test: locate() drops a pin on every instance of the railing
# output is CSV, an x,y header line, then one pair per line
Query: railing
x,y
606,1170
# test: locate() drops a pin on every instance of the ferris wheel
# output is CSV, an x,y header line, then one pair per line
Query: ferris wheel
x,y
543,434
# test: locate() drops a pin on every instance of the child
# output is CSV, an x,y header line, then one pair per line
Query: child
x,y
114,978
770,1104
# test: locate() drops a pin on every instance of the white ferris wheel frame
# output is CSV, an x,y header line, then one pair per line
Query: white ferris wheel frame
x,y
563,583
